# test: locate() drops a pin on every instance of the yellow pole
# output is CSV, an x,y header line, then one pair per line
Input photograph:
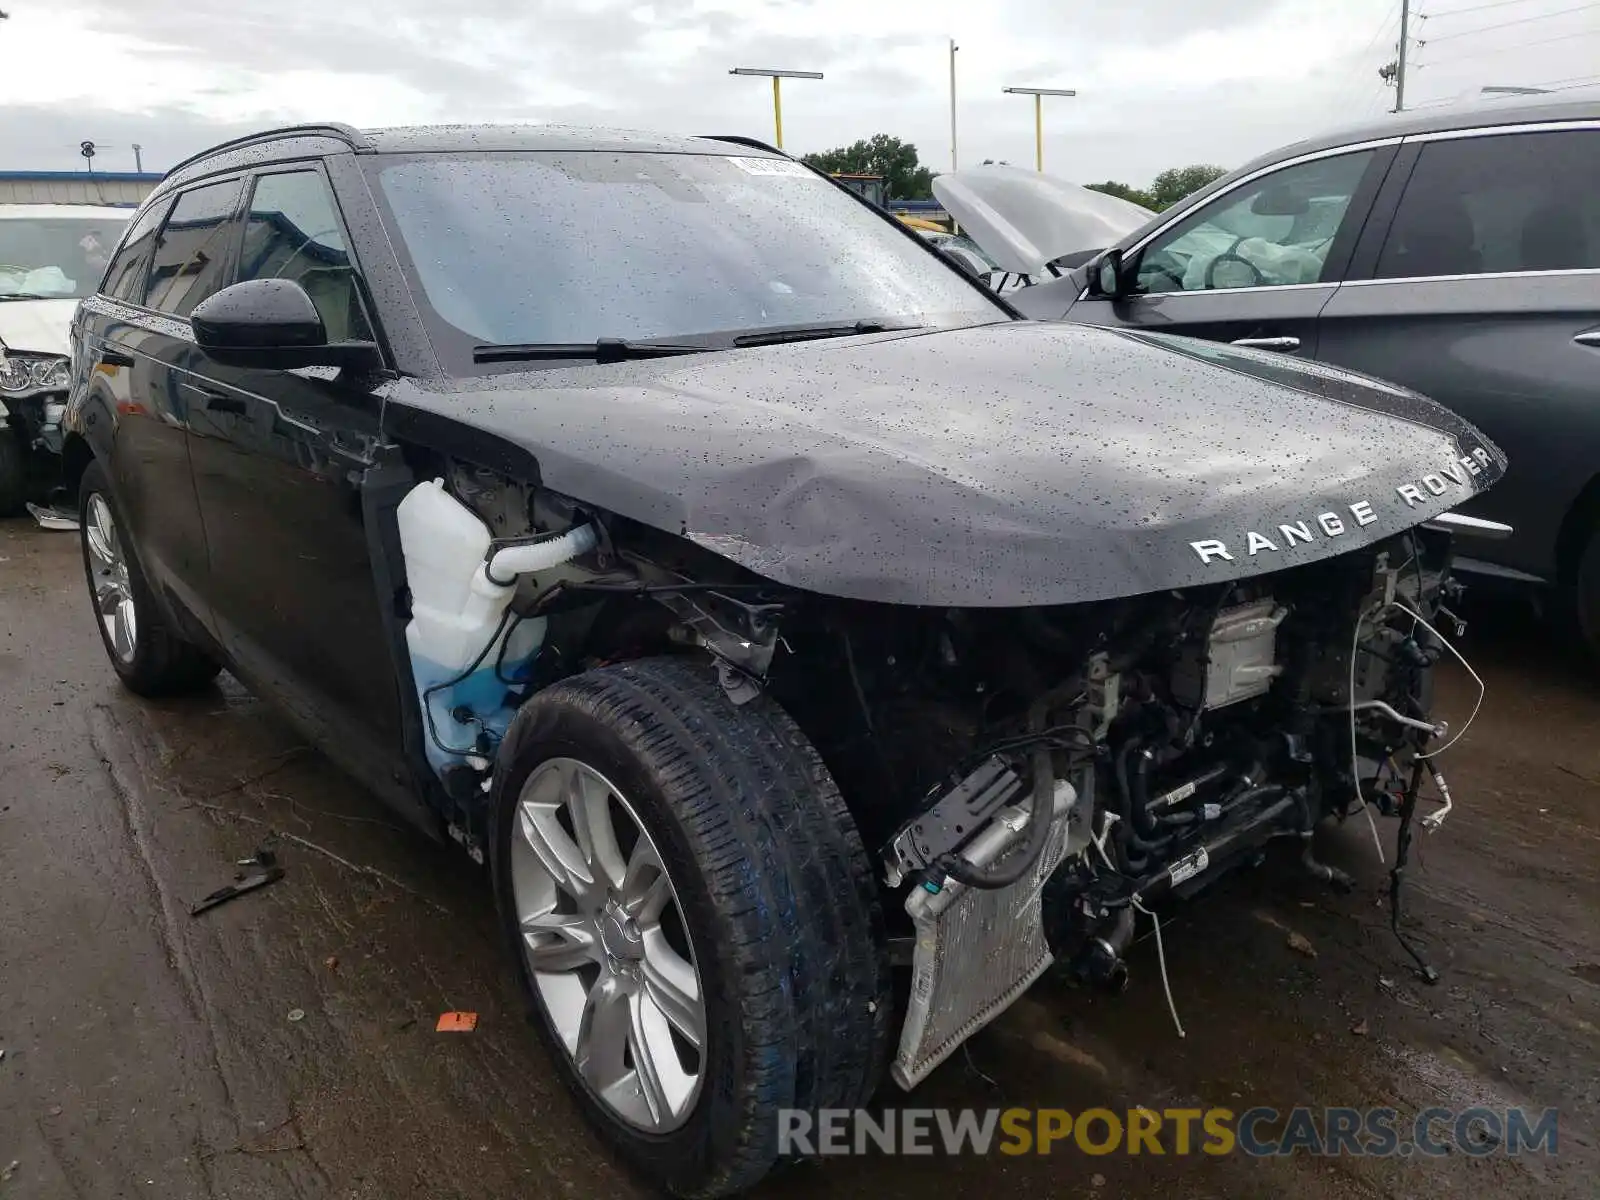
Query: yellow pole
x,y
1038,132
777,109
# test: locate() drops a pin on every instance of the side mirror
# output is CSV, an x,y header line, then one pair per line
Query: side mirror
x,y
271,324
1107,278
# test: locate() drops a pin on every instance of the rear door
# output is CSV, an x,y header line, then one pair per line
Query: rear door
x,y
1256,264
1482,291
279,458
139,337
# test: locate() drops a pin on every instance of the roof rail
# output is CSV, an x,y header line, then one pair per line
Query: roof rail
x,y
348,134
740,140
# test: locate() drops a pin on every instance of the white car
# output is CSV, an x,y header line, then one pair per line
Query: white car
x,y
1027,222
51,255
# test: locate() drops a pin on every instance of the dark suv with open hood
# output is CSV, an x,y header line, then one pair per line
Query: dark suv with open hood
x,y
756,593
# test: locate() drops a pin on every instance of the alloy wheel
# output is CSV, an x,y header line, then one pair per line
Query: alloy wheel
x,y
113,594
607,946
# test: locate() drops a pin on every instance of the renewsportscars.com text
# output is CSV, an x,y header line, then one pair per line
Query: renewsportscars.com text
x,y
1256,1132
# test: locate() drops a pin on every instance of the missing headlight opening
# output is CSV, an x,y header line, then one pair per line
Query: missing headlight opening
x,y
1032,779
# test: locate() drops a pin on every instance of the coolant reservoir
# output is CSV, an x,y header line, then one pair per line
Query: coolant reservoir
x,y
456,612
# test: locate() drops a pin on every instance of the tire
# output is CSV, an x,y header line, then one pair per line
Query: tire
x,y
769,879
13,473
1584,599
147,656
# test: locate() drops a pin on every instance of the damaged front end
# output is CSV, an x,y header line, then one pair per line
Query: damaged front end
x,y
1163,738
1029,779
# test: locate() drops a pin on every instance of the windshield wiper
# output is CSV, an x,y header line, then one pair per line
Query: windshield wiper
x,y
602,350
808,333
28,296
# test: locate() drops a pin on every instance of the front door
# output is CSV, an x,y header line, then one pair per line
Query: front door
x,y
1483,293
279,458
1256,264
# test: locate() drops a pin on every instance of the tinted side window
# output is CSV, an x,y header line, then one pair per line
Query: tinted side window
x,y
192,251
1277,230
125,277
1509,202
293,232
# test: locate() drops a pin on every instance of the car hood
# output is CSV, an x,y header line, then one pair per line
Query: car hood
x,y
1025,219
1020,463
37,325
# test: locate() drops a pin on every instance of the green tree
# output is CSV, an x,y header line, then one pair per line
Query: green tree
x,y
1175,183
1123,192
903,174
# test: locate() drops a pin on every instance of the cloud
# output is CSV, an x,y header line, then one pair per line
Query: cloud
x,y
1160,82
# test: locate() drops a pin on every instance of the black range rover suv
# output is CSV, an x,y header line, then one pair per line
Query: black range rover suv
x,y
752,590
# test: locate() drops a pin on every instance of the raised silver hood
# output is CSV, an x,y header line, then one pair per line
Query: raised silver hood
x,y
1025,219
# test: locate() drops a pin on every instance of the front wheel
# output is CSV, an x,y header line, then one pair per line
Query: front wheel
x,y
693,917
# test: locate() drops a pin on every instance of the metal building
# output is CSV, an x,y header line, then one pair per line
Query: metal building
x,y
122,189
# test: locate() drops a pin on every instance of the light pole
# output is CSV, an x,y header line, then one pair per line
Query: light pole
x,y
777,95
1038,95
1400,64
953,49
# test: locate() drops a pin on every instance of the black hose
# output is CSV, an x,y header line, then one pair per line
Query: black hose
x,y
1040,818
1143,819
427,712
1136,849
1131,861
500,655
1225,843
1099,961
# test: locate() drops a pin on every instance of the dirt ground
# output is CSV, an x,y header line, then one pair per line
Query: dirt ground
x,y
284,1046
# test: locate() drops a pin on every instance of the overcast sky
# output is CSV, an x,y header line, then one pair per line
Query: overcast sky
x,y
1161,82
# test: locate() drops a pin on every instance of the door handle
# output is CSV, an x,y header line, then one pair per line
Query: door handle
x,y
115,358
1592,338
220,402
1269,343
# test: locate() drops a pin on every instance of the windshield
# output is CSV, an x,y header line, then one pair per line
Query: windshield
x,y
572,247
55,257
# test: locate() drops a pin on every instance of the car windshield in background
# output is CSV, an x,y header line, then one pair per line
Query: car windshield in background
x,y
575,247
54,258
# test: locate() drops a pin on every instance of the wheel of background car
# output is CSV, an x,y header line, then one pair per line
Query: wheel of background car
x,y
149,658
1231,255
1585,599
13,473
693,916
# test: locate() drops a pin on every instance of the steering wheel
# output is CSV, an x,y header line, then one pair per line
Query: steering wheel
x,y
1231,254
310,239
1157,269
